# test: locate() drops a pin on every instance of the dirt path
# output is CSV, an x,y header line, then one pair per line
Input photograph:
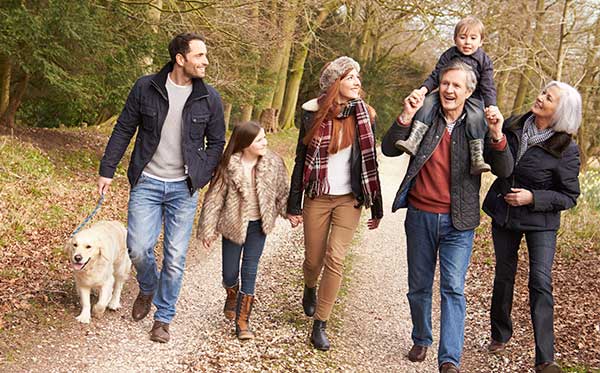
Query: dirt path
x,y
369,332
377,322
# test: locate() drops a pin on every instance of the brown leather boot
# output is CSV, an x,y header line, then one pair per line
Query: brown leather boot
x,y
160,332
417,353
231,302
141,306
242,316
496,347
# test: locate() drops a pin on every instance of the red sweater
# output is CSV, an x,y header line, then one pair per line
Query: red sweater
x,y
431,191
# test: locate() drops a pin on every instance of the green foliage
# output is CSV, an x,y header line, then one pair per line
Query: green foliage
x,y
77,69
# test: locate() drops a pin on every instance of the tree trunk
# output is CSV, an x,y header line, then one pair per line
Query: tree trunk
x,y
585,135
153,15
227,113
288,26
246,112
560,55
5,76
8,119
527,74
297,68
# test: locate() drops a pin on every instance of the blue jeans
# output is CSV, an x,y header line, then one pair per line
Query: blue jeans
x,y
152,202
252,249
541,247
429,235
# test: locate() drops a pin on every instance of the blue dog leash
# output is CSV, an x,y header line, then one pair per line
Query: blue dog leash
x,y
90,216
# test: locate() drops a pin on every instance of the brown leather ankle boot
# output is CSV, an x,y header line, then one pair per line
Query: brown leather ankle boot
x,y
242,317
231,302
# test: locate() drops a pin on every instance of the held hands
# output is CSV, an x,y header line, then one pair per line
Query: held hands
x,y
519,197
495,119
373,223
412,104
295,220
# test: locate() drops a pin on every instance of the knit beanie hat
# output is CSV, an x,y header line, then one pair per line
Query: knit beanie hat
x,y
334,69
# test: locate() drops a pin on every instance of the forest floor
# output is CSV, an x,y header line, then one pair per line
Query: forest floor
x,y
47,186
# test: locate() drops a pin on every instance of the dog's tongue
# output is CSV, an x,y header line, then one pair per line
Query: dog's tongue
x,y
77,266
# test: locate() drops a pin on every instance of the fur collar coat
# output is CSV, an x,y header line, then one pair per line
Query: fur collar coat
x,y
225,209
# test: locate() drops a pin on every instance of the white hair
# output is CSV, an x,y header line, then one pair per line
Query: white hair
x,y
456,64
567,117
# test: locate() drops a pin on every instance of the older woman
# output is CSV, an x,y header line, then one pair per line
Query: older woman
x,y
336,171
528,203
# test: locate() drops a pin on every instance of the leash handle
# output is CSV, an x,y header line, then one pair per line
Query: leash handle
x,y
90,216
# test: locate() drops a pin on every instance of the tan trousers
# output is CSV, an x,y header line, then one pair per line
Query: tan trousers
x,y
329,224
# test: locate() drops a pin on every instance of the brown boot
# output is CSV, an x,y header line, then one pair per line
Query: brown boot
x,y
231,302
411,145
242,316
141,306
160,332
548,367
478,165
496,347
417,353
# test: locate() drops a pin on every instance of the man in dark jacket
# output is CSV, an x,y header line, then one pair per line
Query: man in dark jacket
x,y
442,197
180,139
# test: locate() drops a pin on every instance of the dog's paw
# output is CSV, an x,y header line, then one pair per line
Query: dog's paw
x,y
83,318
98,310
113,306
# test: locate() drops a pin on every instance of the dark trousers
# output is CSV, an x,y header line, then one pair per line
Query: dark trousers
x,y
476,126
252,250
541,247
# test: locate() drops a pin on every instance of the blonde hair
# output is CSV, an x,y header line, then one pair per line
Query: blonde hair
x,y
470,23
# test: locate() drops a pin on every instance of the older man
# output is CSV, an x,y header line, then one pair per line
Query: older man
x,y
443,209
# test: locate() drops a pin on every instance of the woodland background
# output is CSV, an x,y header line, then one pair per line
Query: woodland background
x,y
72,63
66,68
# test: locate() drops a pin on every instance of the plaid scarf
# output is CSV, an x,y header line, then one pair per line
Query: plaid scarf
x,y
317,155
532,136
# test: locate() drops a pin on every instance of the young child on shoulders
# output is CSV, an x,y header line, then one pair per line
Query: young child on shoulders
x,y
249,190
469,34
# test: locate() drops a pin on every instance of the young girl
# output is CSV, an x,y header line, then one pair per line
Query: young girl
x,y
246,194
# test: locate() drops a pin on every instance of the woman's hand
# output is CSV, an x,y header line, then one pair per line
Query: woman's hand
x,y
519,197
495,119
295,220
373,223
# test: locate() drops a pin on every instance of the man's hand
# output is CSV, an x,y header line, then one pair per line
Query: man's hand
x,y
103,184
295,220
519,197
422,92
412,104
495,120
373,223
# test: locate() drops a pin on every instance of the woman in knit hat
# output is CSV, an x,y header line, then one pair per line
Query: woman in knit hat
x,y
336,170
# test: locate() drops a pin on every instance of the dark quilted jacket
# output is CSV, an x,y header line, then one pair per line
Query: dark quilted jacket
x,y
464,193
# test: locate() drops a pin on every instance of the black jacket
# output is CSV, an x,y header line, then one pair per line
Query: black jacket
x,y
294,206
145,112
549,170
464,187
482,66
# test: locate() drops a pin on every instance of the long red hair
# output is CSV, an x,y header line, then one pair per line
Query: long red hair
x,y
328,110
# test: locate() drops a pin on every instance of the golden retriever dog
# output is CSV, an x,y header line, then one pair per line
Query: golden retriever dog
x,y
100,261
